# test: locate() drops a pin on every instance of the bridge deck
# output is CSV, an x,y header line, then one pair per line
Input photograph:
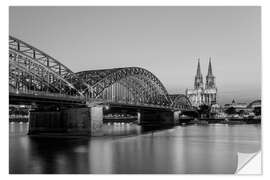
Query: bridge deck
x,y
25,98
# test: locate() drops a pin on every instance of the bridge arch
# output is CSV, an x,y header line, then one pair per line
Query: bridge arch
x,y
148,87
180,101
33,70
256,103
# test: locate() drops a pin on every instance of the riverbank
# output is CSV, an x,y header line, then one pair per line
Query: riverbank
x,y
180,122
231,121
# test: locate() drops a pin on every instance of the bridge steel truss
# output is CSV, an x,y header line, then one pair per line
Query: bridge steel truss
x,y
33,71
131,85
180,101
254,103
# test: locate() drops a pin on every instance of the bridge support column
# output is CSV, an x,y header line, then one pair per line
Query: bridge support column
x,y
138,117
45,121
77,121
96,121
176,117
74,121
157,118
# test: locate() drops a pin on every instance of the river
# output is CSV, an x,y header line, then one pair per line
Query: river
x,y
128,148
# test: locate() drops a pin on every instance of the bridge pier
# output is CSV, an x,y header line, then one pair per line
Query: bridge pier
x,y
74,121
138,117
176,117
156,117
96,120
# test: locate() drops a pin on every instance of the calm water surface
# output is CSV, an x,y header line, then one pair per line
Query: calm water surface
x,y
128,148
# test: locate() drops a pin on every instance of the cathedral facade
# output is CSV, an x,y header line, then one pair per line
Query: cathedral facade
x,y
203,94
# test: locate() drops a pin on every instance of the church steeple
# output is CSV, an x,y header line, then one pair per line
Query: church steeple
x,y
198,78
210,78
209,68
199,69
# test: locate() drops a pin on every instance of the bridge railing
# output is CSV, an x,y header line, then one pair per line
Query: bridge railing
x,y
47,94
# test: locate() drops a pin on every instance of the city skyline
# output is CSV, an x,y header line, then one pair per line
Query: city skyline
x,y
164,40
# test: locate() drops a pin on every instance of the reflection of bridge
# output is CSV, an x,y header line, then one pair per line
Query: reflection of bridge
x,y
38,79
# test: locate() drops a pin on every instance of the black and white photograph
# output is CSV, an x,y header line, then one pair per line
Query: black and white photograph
x,y
134,90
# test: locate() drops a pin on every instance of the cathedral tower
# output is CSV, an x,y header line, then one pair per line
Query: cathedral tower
x,y
203,94
198,83
210,78
210,86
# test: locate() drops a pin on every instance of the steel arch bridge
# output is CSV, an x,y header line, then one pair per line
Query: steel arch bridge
x,y
181,101
256,103
125,85
31,71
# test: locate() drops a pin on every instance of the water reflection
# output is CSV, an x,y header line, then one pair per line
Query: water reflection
x,y
132,149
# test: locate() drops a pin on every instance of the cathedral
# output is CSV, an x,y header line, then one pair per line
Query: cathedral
x,y
203,94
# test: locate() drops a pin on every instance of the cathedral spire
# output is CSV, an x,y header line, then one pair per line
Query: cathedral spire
x,y
209,68
198,83
210,78
199,69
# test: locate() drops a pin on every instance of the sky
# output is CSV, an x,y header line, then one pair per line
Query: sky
x,y
164,40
